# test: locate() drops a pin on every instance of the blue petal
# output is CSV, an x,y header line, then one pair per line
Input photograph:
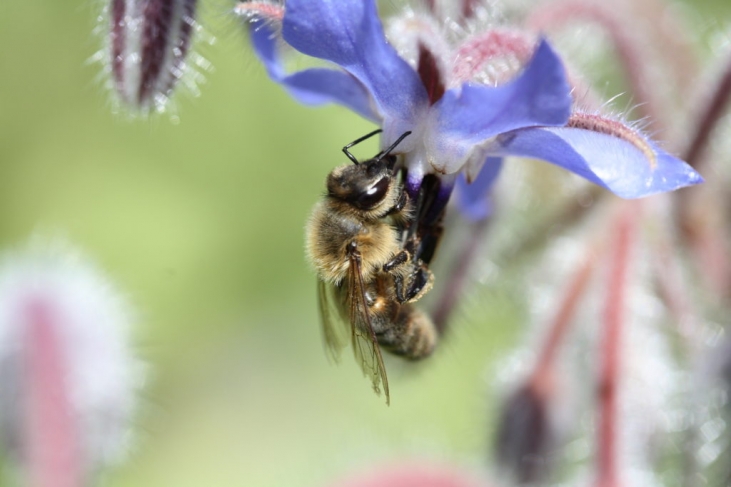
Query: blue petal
x,y
312,86
472,198
540,96
349,33
608,161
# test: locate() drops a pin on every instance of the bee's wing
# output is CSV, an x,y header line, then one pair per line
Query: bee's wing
x,y
336,331
365,345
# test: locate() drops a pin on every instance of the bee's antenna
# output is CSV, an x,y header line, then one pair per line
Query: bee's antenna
x,y
385,153
361,139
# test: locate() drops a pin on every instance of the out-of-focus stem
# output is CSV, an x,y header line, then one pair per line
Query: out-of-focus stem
x,y
526,436
457,279
707,241
674,293
708,118
51,447
543,231
607,475
560,324
468,8
706,237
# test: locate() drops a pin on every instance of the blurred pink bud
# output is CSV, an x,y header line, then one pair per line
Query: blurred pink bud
x,y
149,41
415,474
68,375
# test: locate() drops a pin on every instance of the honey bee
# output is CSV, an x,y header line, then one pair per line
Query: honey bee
x,y
368,279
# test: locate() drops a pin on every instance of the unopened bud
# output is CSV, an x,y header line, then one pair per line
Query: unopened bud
x,y
525,436
413,474
149,41
69,378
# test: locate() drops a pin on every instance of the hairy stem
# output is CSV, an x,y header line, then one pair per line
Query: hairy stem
x,y
469,8
458,278
544,231
674,293
709,118
607,475
562,319
706,239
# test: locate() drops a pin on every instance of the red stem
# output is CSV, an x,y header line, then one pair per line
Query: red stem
x,y
611,344
561,321
50,438
458,278
709,118
706,239
469,8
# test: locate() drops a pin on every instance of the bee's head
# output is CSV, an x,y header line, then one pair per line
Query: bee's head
x,y
369,186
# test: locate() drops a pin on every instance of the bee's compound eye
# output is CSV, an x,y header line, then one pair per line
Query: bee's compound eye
x,y
373,195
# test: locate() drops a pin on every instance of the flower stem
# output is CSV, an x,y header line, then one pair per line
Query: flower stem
x,y
709,118
543,231
674,293
468,8
707,241
457,279
607,475
51,448
562,319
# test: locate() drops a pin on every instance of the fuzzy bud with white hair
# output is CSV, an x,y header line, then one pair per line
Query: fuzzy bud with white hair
x,y
68,373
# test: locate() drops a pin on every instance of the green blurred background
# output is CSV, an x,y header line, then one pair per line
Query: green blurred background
x,y
198,217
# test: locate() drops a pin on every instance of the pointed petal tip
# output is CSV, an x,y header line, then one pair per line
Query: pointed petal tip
x,y
602,158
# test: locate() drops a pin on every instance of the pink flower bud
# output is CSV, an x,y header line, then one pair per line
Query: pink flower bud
x,y
69,377
413,474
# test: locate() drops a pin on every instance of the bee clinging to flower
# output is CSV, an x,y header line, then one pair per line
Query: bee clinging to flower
x,y
368,275
429,84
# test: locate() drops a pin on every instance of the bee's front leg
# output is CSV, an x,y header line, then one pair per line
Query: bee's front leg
x,y
398,260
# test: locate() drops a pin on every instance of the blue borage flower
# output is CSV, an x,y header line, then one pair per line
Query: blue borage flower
x,y
465,127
